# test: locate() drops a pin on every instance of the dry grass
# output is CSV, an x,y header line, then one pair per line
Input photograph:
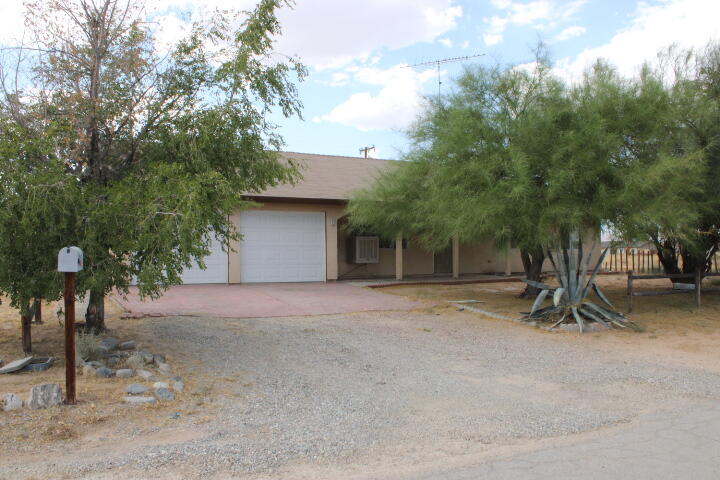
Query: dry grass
x,y
672,325
100,412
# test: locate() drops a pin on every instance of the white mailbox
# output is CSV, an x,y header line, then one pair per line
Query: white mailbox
x,y
70,259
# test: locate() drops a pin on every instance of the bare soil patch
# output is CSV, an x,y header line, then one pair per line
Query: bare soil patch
x,y
672,325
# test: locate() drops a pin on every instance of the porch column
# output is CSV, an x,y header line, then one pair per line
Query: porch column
x,y
508,263
456,257
399,258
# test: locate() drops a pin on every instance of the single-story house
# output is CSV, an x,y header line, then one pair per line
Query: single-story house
x,y
298,235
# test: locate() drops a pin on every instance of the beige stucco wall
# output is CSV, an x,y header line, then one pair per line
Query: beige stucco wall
x,y
473,259
332,214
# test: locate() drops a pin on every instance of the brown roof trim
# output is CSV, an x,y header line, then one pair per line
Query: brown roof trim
x,y
321,201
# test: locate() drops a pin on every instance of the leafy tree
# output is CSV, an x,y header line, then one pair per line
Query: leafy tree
x,y
161,144
37,214
683,139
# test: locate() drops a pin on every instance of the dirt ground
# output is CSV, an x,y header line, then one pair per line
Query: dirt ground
x,y
671,324
100,412
280,385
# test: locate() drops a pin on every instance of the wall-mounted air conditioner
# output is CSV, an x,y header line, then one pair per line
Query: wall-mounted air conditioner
x,y
364,249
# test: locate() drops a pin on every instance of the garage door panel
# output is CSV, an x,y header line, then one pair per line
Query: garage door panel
x,y
216,264
282,246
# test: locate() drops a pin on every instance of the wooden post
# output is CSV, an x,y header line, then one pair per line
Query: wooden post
x,y
455,257
69,295
698,287
630,291
398,258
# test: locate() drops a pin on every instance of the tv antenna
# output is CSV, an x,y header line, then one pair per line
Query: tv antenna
x,y
366,150
443,61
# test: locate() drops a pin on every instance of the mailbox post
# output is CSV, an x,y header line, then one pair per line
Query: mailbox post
x,y
70,261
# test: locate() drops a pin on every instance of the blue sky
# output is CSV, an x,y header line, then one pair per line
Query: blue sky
x,y
360,91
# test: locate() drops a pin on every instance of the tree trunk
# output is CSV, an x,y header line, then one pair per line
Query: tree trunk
x,y
95,315
25,321
37,311
670,255
532,264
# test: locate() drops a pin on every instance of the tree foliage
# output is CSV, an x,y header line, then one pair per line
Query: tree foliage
x,y
158,144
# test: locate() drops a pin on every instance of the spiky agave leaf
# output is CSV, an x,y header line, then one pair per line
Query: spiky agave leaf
x,y
558,296
539,300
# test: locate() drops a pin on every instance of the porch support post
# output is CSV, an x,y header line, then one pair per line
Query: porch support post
x,y
399,258
456,257
508,263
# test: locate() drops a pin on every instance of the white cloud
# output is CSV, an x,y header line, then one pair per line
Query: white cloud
x,y
446,41
542,14
570,32
12,22
332,33
686,23
394,107
465,44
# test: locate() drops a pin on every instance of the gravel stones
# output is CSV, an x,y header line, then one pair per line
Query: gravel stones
x,y
104,372
165,394
158,359
44,396
11,402
136,389
144,374
124,373
140,400
178,385
164,368
157,385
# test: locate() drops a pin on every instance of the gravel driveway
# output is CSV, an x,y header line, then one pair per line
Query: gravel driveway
x,y
353,396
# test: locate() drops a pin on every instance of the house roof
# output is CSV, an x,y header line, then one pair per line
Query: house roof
x,y
328,177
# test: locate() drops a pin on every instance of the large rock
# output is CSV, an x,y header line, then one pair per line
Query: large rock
x,y
129,345
104,372
11,402
136,389
144,374
147,357
178,385
124,373
165,394
16,365
157,385
112,360
110,343
164,368
139,400
44,396
158,359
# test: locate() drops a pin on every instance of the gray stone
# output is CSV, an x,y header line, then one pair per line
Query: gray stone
x,y
129,345
147,357
164,368
95,364
165,394
88,370
11,402
174,416
16,365
39,364
177,378
158,359
157,385
112,360
178,386
144,374
124,373
110,343
139,400
135,361
104,372
136,389
44,396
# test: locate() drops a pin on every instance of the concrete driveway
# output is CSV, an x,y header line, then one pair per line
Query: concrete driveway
x,y
263,300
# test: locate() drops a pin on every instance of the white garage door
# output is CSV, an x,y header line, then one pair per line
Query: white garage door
x,y
282,246
216,270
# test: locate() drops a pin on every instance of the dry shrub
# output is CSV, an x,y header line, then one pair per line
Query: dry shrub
x,y
88,346
59,431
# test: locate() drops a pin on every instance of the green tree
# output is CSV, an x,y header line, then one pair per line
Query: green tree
x,y
161,144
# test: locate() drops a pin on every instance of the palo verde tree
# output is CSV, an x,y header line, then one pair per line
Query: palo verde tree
x,y
161,143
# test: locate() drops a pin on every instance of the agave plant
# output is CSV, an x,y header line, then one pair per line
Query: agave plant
x,y
570,300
